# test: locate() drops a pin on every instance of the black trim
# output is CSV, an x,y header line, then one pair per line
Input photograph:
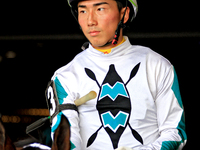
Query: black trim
x,y
68,107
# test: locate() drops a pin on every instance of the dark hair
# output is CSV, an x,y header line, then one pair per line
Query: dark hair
x,y
120,5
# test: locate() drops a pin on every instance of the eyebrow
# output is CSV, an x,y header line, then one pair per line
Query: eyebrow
x,y
102,3
97,4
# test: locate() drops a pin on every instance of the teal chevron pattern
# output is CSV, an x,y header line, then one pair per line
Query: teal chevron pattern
x,y
114,122
113,92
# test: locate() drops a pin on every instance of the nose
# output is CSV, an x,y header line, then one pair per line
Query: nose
x,y
92,19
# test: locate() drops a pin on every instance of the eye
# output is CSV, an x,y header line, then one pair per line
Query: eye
x,y
82,11
100,9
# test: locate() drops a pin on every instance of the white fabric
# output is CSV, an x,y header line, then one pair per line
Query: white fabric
x,y
155,112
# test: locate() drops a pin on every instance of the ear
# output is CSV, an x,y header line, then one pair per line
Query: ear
x,y
126,17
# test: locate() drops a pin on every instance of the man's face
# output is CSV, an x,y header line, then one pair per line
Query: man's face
x,y
98,20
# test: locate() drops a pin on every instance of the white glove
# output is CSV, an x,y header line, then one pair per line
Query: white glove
x,y
124,148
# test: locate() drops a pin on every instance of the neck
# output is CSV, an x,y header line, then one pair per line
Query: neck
x,y
108,51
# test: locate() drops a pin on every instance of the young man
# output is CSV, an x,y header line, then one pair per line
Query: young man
x,y
138,104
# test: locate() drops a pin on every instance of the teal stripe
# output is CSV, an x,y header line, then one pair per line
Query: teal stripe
x,y
168,145
61,93
53,129
176,90
72,146
181,125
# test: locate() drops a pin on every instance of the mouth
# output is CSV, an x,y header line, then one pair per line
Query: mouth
x,y
94,33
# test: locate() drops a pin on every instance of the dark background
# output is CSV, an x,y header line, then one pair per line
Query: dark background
x,y
43,36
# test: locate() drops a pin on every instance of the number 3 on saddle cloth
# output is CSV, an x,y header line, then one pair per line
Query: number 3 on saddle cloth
x,y
41,129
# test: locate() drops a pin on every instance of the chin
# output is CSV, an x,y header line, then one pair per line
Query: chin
x,y
98,43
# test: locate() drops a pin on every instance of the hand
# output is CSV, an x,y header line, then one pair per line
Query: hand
x,y
124,148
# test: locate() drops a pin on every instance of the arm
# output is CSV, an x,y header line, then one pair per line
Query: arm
x,y
170,115
64,96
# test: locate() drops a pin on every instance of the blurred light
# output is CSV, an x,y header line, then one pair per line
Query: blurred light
x,y
10,54
10,119
25,115
33,112
1,58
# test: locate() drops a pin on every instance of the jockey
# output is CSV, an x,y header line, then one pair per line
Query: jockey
x,y
138,104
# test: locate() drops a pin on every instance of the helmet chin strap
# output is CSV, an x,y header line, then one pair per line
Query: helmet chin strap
x,y
116,36
117,31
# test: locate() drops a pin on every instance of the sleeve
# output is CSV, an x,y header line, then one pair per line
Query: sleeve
x,y
65,96
170,115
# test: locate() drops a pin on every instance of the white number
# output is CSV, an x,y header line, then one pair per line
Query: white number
x,y
50,97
